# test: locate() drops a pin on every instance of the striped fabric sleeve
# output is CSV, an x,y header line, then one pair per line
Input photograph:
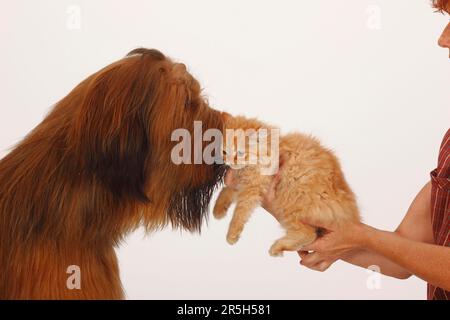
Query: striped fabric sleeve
x,y
440,208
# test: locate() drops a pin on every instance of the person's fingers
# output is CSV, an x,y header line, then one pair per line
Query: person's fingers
x,y
276,179
316,246
274,184
308,248
302,253
271,192
320,266
311,259
270,195
281,161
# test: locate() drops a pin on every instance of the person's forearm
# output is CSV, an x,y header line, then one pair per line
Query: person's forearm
x,y
429,262
365,259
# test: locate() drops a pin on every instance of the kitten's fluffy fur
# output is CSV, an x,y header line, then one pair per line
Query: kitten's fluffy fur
x,y
311,184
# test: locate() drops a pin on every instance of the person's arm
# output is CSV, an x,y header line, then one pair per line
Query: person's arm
x,y
427,261
416,225
366,259
408,250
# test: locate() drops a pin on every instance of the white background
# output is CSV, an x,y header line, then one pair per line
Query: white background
x,y
377,96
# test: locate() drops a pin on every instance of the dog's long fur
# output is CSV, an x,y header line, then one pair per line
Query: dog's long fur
x,y
96,168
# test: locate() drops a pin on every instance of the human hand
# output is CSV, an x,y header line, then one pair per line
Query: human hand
x,y
337,242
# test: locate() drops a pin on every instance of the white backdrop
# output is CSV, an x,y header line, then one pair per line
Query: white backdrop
x,y
366,77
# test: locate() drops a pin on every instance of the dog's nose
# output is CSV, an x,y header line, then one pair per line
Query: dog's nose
x,y
179,71
179,68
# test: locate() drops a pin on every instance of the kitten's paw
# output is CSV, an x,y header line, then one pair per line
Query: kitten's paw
x,y
219,212
232,239
275,252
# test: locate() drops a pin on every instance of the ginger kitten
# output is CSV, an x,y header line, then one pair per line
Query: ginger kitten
x,y
311,183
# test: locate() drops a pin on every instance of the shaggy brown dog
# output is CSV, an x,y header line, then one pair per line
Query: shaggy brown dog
x,y
95,169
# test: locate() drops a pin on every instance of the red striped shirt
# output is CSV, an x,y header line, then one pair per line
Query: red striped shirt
x,y
440,208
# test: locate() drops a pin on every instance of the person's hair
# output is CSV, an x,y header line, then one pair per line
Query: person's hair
x,y
442,5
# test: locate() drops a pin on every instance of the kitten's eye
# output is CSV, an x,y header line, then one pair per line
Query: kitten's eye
x,y
240,153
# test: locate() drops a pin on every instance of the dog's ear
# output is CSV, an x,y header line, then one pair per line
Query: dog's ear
x,y
111,126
